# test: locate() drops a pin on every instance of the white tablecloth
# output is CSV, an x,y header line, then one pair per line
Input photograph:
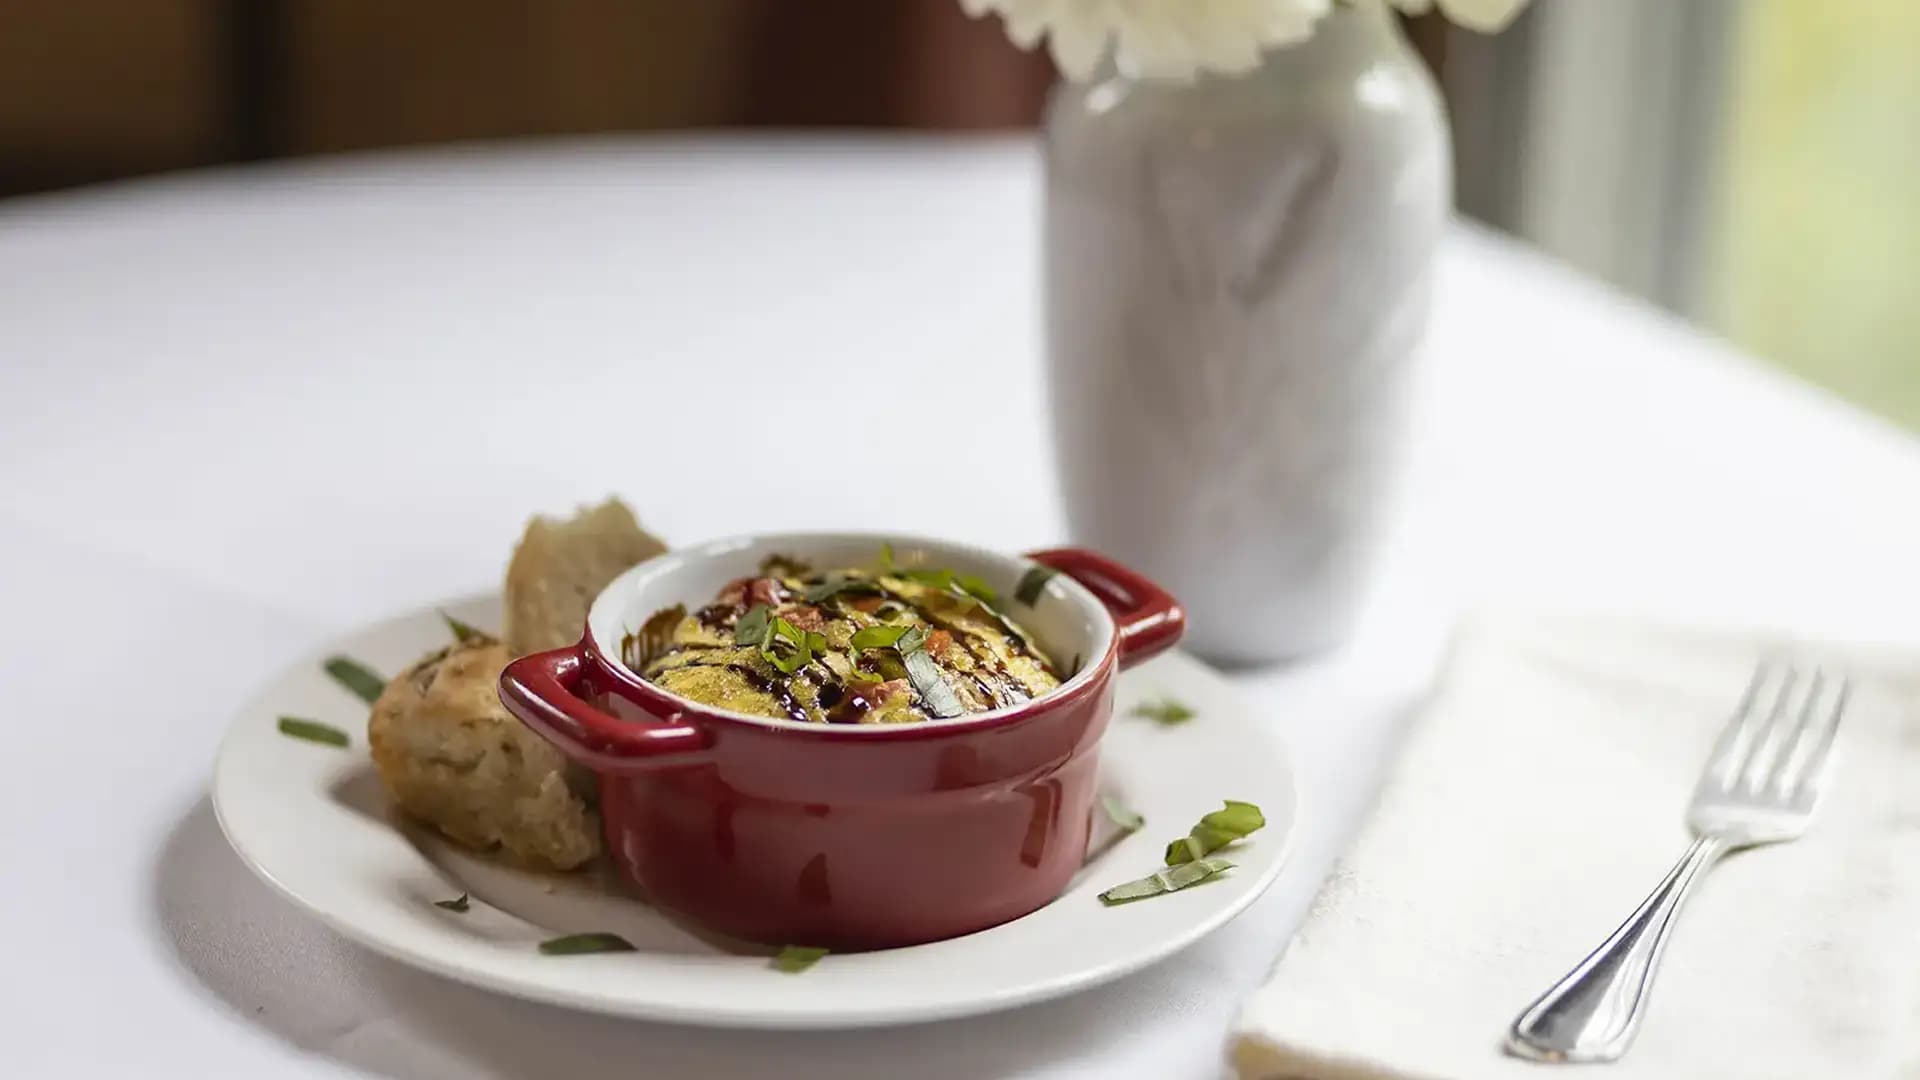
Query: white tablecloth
x,y
242,411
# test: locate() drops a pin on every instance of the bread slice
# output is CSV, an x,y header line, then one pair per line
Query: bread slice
x,y
560,566
451,755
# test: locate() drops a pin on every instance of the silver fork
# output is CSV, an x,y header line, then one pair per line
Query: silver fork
x,y
1760,787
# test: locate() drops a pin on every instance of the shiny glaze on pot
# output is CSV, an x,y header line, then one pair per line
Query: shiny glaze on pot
x,y
843,836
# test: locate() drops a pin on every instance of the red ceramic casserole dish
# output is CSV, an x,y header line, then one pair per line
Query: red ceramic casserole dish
x,y
845,835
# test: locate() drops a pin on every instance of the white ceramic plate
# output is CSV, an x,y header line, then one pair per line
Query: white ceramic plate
x,y
313,822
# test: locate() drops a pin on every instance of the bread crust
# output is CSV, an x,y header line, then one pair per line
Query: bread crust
x,y
560,566
452,756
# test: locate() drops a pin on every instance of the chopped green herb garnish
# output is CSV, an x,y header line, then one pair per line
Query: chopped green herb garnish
x,y
458,903
788,648
878,637
1032,584
754,627
356,677
312,731
578,944
795,959
1126,819
976,588
1166,710
913,639
948,581
886,557
938,578
1172,879
1236,821
836,583
889,666
467,633
934,692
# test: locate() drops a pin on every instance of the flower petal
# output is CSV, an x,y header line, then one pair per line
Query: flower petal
x,y
1078,49
1486,16
1168,39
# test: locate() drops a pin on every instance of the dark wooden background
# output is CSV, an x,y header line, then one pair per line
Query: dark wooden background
x,y
100,89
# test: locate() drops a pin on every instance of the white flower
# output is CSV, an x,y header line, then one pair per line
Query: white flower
x,y
1486,16
1163,39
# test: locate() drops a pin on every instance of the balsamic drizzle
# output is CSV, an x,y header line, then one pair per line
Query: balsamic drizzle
x,y
842,699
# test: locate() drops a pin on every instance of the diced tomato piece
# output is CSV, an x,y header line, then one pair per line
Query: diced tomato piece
x,y
734,593
768,591
868,604
878,692
805,617
938,643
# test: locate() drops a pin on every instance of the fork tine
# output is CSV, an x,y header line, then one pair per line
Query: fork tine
x,y
1754,765
1778,775
1729,749
1806,778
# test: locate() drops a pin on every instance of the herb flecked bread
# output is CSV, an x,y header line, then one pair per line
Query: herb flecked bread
x,y
451,755
560,566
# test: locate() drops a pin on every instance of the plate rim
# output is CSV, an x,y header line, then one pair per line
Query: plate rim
x,y
701,1012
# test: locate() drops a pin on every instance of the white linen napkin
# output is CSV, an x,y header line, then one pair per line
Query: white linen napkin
x,y
1541,796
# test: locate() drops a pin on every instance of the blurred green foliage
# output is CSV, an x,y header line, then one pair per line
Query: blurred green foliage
x,y
1814,256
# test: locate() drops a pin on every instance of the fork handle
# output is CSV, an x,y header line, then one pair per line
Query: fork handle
x,y
1593,1013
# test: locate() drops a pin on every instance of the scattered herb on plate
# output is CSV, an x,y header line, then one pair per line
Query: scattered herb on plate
x,y
467,633
1032,584
1166,711
356,677
1171,879
579,944
313,731
1236,821
1129,820
795,959
1126,823
458,903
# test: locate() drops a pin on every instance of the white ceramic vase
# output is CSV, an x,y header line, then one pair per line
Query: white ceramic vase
x,y
1237,274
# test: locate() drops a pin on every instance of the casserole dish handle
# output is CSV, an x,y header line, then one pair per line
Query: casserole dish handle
x,y
1147,618
543,691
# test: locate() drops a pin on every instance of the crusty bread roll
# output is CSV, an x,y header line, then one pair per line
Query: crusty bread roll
x,y
452,756
560,566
